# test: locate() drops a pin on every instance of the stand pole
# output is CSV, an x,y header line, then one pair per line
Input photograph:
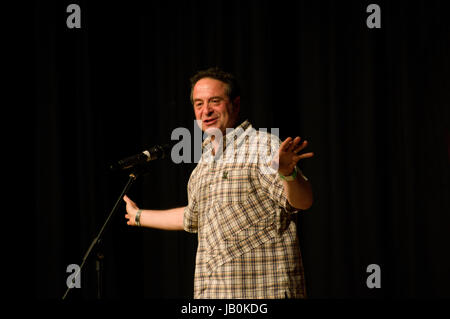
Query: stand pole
x,y
96,240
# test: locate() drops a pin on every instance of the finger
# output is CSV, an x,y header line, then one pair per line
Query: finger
x,y
294,143
288,146
301,146
303,156
285,144
128,201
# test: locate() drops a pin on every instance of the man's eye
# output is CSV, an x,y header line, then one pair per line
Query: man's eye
x,y
198,104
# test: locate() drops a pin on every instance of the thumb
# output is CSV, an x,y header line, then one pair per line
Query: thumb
x,y
127,200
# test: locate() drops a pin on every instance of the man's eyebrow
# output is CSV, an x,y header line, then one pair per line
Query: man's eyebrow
x,y
212,97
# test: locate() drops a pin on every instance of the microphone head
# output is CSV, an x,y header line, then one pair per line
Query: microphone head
x,y
154,153
159,151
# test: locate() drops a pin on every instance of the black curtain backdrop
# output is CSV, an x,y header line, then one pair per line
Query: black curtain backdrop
x,y
373,103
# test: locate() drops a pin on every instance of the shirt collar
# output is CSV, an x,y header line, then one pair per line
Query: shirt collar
x,y
229,137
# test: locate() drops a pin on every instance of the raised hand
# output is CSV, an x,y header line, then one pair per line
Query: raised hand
x,y
288,155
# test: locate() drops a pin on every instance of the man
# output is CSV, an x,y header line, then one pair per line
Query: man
x,y
242,209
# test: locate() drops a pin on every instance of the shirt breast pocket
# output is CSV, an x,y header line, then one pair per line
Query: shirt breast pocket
x,y
232,186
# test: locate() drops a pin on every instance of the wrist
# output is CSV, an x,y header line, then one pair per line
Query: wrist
x,y
291,177
137,218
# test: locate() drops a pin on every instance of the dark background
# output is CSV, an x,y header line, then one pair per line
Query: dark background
x,y
373,103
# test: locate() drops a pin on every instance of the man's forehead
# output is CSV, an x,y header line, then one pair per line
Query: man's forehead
x,y
209,85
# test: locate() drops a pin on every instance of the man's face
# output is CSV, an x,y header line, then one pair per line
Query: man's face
x,y
212,105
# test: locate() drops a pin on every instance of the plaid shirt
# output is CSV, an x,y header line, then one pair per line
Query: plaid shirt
x,y
247,237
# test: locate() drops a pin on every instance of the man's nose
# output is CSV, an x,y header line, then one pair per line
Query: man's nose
x,y
208,108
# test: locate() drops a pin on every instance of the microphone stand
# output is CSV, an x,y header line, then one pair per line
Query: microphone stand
x,y
132,178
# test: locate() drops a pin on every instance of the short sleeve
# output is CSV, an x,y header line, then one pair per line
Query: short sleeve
x,y
273,186
190,216
269,179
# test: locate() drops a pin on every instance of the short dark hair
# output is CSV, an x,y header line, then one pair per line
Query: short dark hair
x,y
233,89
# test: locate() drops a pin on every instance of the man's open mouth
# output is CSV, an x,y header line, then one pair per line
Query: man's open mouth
x,y
210,121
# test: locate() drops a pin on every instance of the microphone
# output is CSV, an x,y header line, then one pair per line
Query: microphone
x,y
154,153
